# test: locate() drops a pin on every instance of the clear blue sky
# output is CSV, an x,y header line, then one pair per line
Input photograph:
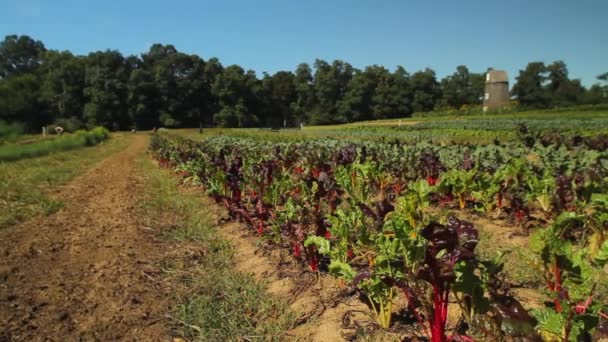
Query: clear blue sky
x,y
272,35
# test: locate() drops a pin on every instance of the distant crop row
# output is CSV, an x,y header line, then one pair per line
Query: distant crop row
x,y
12,152
384,219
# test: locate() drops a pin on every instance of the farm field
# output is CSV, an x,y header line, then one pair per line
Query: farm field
x,y
445,129
440,230
241,171
349,232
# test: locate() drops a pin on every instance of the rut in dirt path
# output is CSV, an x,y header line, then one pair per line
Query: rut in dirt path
x,y
81,274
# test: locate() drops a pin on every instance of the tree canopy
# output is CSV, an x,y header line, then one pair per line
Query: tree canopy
x,y
165,87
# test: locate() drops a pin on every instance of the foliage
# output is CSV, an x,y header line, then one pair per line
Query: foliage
x,y
572,269
372,213
9,131
165,87
79,139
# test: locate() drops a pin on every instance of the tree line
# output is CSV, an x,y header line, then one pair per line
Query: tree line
x,y
165,87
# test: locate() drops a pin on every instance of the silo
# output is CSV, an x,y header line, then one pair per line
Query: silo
x,y
497,90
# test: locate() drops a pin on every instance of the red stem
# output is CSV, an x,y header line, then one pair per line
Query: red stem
x,y
558,286
439,314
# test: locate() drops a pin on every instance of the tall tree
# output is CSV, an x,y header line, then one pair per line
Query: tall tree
x,y
530,86
213,68
143,98
280,92
562,91
393,96
19,102
20,55
235,92
330,84
20,58
356,104
462,88
426,90
597,93
106,90
305,98
63,81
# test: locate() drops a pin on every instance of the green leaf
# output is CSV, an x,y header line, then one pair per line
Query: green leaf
x,y
549,321
320,242
468,282
341,270
599,198
601,258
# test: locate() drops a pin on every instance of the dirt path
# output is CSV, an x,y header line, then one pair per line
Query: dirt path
x,y
81,274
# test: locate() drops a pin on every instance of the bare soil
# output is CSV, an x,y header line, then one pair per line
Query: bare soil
x,y
326,309
83,273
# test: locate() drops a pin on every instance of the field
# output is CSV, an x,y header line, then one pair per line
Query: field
x,y
482,228
443,210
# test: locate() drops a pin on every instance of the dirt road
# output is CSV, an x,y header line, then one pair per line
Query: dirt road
x,y
82,274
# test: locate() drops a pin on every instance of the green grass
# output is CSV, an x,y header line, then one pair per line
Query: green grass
x,y
12,152
222,304
476,129
26,185
472,128
515,264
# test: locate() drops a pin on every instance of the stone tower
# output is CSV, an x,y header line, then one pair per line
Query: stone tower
x,y
497,90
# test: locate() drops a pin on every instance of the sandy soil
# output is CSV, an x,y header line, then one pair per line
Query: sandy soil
x,y
82,273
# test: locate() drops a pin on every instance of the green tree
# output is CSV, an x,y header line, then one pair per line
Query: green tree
x,y
106,90
330,84
530,88
63,80
393,95
213,68
142,97
19,101
305,99
235,91
20,55
356,104
598,93
404,93
562,90
280,93
426,90
462,88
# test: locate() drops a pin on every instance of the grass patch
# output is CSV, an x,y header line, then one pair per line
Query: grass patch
x,y
219,304
476,129
515,265
79,139
26,185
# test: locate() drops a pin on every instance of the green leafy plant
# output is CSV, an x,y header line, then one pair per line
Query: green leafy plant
x,y
571,276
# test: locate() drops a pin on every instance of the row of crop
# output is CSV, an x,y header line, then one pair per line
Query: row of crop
x,y
78,139
362,212
512,108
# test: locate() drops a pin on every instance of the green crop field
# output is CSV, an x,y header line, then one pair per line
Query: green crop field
x,y
418,210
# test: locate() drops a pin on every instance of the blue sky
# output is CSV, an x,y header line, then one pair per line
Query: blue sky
x,y
272,35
